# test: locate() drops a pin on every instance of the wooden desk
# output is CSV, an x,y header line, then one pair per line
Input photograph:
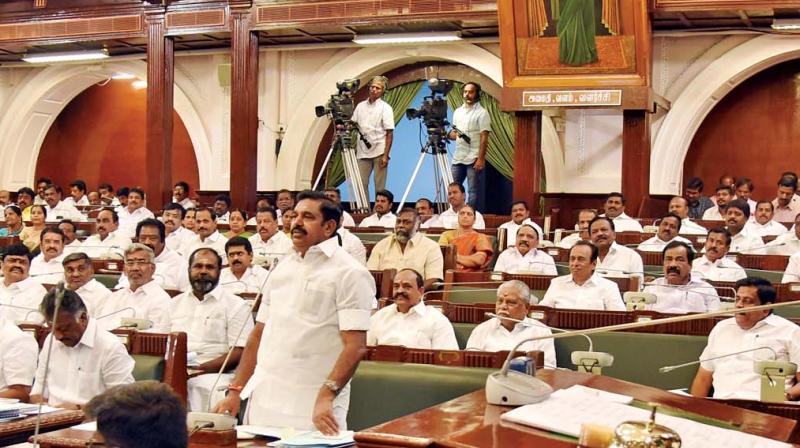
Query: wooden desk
x,y
72,438
468,421
18,431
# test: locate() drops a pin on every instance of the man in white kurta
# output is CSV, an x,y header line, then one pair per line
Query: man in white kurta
x,y
519,215
742,239
408,321
497,334
175,233
614,208
46,267
714,265
457,199
133,213
241,276
761,222
316,303
613,260
668,229
58,209
788,243
678,291
582,288
680,206
383,216
269,244
108,242
525,257
207,235
20,295
79,277
581,231
171,267
18,355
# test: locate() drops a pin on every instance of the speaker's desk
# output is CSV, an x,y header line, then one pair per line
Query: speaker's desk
x,y
19,430
468,421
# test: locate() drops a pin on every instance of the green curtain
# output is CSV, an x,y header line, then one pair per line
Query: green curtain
x,y
500,151
399,97
576,30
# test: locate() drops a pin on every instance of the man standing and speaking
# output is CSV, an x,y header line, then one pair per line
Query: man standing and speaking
x,y
375,119
311,330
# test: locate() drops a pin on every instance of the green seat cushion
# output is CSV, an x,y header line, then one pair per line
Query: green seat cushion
x,y
562,269
383,391
108,280
148,367
788,312
370,237
772,276
464,294
463,331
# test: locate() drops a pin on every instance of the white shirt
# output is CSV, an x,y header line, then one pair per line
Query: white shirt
x,y
47,272
77,374
421,327
624,223
26,294
113,246
149,301
534,261
449,220
771,228
347,220
492,336
82,201
18,354
214,241
512,228
74,246
306,303
620,261
721,270
696,296
94,294
353,245
223,219
251,280
186,203
733,376
790,275
568,241
175,240
471,120
433,221
713,214
689,227
275,248
128,220
747,242
656,244
597,293
786,244
172,272
63,210
374,119
387,220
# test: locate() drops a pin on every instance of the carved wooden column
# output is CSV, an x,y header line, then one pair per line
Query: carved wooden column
x,y
244,108
528,158
160,87
635,159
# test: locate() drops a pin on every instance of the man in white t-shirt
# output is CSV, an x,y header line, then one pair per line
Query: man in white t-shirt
x,y
761,222
375,120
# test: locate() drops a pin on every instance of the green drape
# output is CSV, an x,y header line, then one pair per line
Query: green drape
x,y
399,97
576,31
500,151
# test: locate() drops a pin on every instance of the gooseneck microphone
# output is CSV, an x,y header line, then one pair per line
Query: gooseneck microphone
x,y
666,369
59,296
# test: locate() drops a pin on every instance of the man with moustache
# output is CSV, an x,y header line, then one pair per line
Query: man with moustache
x,y
427,218
582,288
469,158
383,216
375,120
742,241
525,257
214,320
71,242
678,292
788,243
743,188
733,376
680,206
519,215
761,222
241,275
317,302
408,321
207,234
456,198
46,267
133,212
20,295
58,209
171,268
284,202
614,208
613,260
668,229
585,216
407,248
268,244
723,197
180,195
713,265
786,202
25,197
79,277
108,242
176,234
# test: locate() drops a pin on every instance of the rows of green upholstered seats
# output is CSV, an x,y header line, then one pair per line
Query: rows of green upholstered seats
x,y
108,280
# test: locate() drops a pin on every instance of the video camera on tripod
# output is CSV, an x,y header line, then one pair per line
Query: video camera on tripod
x,y
341,105
433,113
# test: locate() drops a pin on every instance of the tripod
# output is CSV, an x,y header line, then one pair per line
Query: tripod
x,y
343,137
436,147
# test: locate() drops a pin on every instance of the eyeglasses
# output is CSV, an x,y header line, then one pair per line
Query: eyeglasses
x,y
137,262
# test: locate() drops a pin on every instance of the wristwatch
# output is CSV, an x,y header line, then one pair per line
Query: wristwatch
x,y
333,386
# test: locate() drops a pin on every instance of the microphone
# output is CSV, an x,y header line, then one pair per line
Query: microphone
x,y
130,322
59,296
666,369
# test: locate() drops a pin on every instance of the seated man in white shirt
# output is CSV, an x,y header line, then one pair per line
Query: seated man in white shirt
x,y
668,229
180,195
71,242
427,218
214,321
456,197
525,257
742,240
175,233
20,295
84,360
519,215
133,212
613,260
723,196
678,292
614,208
334,195
222,206
495,335
581,231
761,222
743,189
582,288
713,265
79,277
351,243
18,354
108,242
77,193
58,209
172,270
788,243
46,267
733,376
408,321
241,275
143,298
680,206
383,216
107,197
284,202
207,234
269,244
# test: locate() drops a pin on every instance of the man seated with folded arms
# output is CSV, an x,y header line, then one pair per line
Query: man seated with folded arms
x,y
71,242
46,267
680,206
20,295
176,234
581,232
668,229
407,248
84,360
613,260
678,291
473,249
143,298
171,268
713,265
761,222
519,215
408,321
582,288
788,243
241,275
733,376
207,235
525,257
269,244
494,335
615,209
79,277
108,242
742,240
214,320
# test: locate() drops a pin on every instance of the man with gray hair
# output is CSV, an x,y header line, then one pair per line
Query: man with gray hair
x,y
375,119
513,325
143,298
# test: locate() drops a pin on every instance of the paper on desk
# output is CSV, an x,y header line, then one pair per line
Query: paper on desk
x,y
45,410
265,431
565,413
315,439
88,426
580,391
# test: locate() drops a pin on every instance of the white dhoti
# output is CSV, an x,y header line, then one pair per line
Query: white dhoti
x,y
200,394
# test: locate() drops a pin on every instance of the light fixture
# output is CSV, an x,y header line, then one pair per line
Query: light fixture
x,y
139,84
786,24
406,38
122,75
70,56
